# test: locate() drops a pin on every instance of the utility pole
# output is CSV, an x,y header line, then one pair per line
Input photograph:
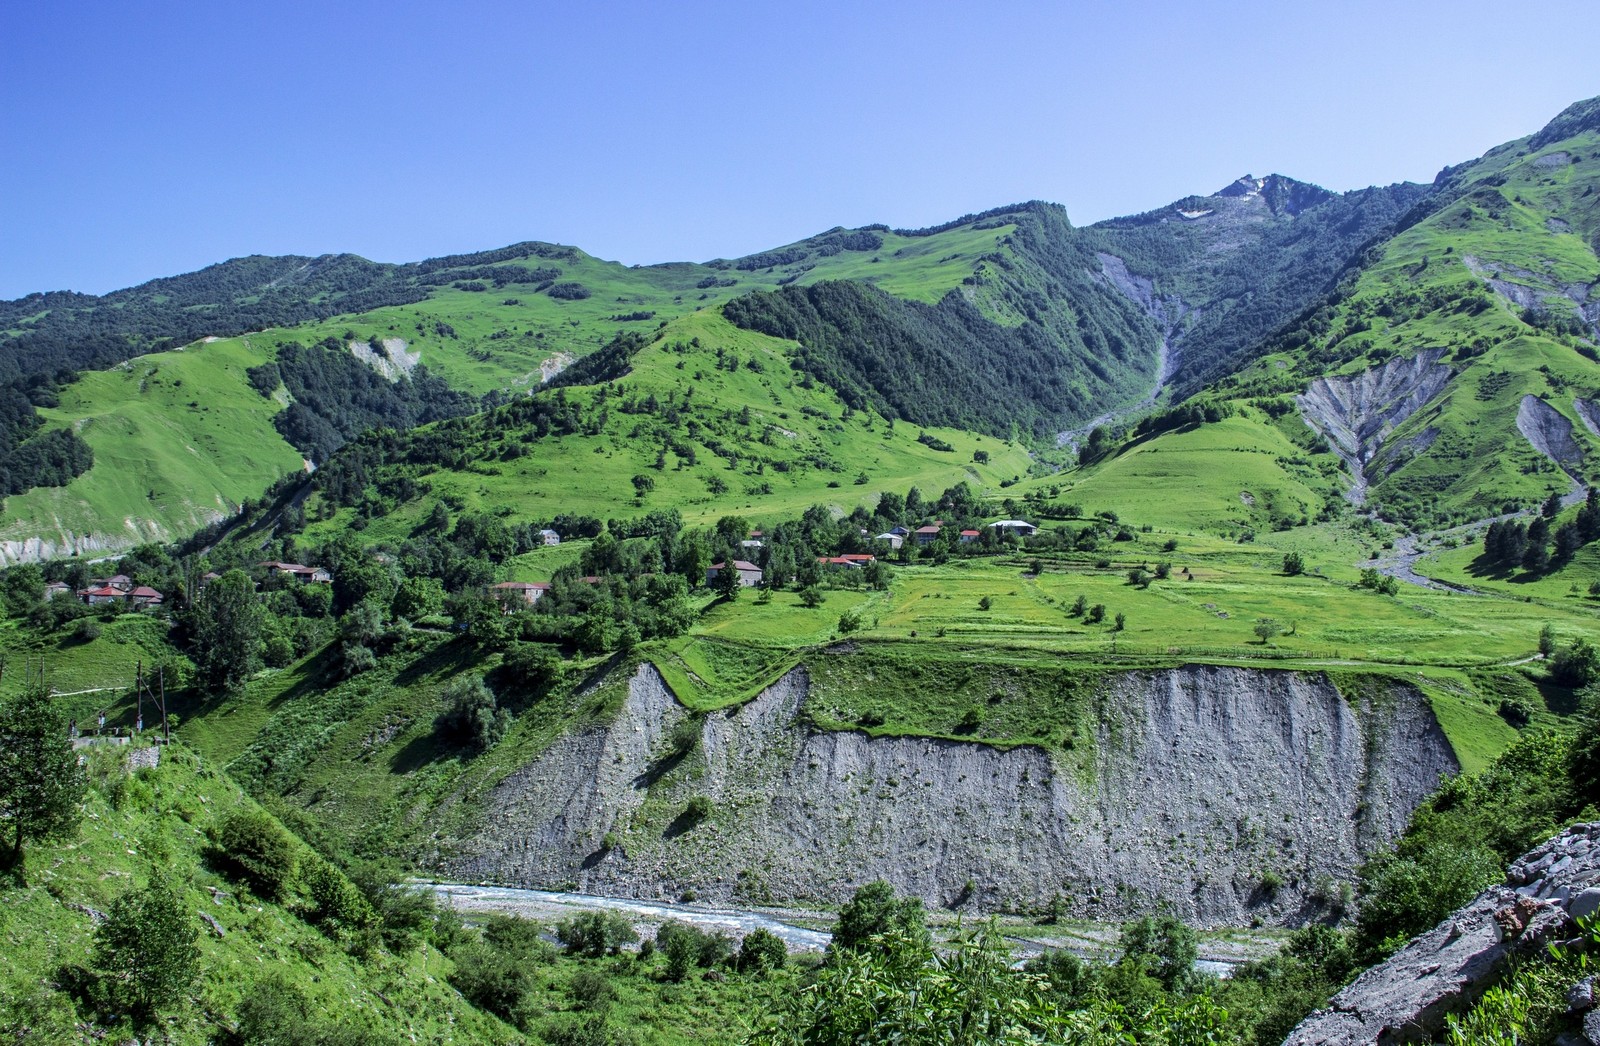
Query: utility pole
x,y
138,692
161,677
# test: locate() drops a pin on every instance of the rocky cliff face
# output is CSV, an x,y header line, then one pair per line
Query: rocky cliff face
x,y
1222,792
1358,412
1410,997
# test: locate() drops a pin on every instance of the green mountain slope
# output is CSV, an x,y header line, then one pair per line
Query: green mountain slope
x,y
180,439
1448,378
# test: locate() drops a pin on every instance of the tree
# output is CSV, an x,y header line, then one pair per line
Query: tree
x,y
146,947
643,484
727,582
1121,622
594,934
1293,564
1097,614
225,629
1267,629
811,596
418,597
1164,945
472,717
762,950
41,783
874,911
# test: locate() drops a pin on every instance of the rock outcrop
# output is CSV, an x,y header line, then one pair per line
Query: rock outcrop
x,y
1550,433
1410,997
1357,413
1222,792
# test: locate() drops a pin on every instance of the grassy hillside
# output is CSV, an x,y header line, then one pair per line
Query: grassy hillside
x,y
749,440
154,822
180,439
1490,281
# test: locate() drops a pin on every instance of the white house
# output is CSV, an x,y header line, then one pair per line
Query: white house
x,y
1019,527
549,537
749,573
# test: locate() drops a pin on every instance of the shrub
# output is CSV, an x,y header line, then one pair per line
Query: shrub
x,y
1402,896
762,950
698,809
685,734
1293,564
338,907
593,934
874,911
491,979
472,718
680,944
259,851
146,947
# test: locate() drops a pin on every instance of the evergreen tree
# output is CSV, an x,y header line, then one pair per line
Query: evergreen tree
x,y
225,629
41,783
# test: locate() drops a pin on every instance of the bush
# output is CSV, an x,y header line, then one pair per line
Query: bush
x,y
146,947
874,911
491,979
593,934
762,950
405,913
259,851
686,947
339,907
533,668
591,991
472,718
1403,896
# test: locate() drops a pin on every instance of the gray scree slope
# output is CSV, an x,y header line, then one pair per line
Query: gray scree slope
x,y
1205,779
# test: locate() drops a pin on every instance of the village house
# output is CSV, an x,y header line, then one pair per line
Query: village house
x,y
96,595
969,535
56,588
929,534
300,572
894,540
851,561
749,573
511,593
1019,527
144,596
549,537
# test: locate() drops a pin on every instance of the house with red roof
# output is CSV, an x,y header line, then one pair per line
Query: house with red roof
x,y
96,595
144,596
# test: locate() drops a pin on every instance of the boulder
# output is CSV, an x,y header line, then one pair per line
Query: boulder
x,y
1408,998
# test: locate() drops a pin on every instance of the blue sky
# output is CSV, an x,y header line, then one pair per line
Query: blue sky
x,y
142,139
